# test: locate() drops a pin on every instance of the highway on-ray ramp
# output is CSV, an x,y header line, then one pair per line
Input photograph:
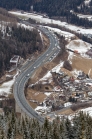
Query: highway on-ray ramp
x,y
23,77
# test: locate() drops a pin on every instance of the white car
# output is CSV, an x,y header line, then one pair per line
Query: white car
x,y
27,75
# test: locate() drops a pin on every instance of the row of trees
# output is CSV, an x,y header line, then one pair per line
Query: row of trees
x,y
12,127
17,41
74,19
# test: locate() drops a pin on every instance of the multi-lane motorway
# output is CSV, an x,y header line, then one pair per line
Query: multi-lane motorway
x,y
22,78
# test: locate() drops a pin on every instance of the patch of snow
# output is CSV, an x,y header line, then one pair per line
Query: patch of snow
x,y
67,104
70,57
47,93
75,72
57,89
67,35
89,72
89,17
6,87
87,2
87,111
89,83
25,26
48,76
58,67
80,46
41,36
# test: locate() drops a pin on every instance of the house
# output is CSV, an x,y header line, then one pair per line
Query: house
x,y
90,94
81,76
15,60
61,96
67,104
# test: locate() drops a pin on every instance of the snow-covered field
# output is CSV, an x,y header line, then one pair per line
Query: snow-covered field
x,y
5,88
41,19
89,17
67,35
79,45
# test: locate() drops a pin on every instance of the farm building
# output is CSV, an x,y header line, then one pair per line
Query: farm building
x,y
15,60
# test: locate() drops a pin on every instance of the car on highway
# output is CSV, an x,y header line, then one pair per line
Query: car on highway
x,y
27,75
55,54
50,59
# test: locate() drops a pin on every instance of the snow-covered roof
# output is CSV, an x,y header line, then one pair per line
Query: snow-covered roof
x,y
67,104
14,59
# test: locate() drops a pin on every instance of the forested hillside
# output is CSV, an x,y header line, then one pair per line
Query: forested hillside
x,y
12,127
16,4
85,9
18,41
64,10
57,7
51,7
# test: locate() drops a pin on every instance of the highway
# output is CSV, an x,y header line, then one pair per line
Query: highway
x,y
23,77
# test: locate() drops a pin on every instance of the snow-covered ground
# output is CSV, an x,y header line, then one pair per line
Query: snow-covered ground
x,y
89,17
44,108
48,76
25,26
85,16
85,111
47,93
67,35
41,19
79,45
87,2
6,87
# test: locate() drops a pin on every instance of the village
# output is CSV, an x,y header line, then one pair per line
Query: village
x,y
62,91
67,91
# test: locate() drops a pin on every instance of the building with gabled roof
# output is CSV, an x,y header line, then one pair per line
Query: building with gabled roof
x,y
15,60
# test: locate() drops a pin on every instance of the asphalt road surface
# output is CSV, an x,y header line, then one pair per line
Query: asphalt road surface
x,y
23,77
